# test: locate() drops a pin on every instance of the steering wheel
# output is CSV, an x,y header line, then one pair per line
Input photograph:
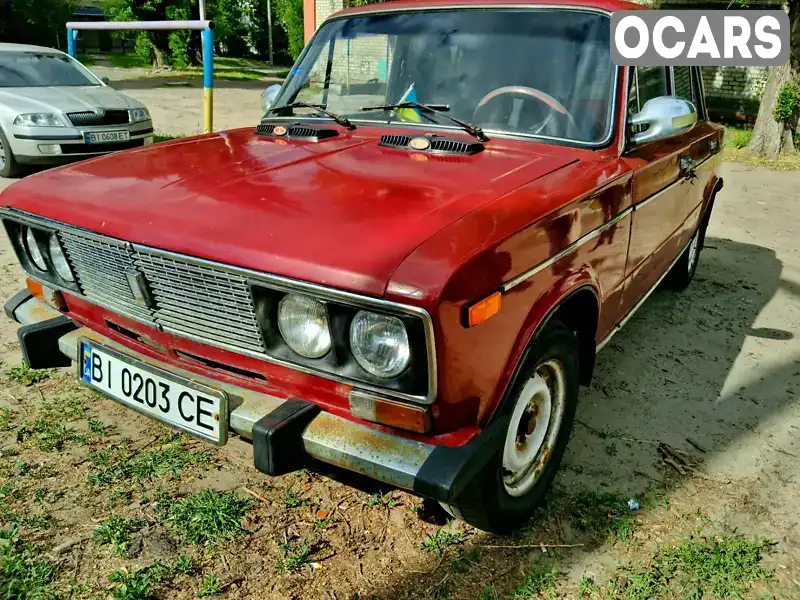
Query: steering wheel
x,y
553,104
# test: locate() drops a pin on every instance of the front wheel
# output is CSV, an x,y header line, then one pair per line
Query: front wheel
x,y
9,167
540,413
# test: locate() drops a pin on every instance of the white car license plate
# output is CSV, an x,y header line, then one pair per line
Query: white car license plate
x,y
104,137
182,403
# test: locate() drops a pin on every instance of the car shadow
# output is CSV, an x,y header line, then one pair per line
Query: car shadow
x,y
668,379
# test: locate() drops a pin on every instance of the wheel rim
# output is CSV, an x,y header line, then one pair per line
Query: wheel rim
x,y
2,155
693,252
533,428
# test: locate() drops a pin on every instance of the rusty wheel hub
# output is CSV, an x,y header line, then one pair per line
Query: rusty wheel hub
x,y
533,428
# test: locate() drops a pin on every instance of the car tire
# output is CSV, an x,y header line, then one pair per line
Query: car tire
x,y
504,495
682,272
9,167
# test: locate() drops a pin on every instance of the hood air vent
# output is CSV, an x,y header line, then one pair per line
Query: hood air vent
x,y
431,143
295,131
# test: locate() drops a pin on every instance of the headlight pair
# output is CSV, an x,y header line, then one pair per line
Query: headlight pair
x,y
38,120
38,252
378,342
139,114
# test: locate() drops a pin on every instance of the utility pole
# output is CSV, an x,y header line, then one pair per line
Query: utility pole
x,y
269,32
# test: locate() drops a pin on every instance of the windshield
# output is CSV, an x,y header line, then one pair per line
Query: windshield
x,y
540,72
32,69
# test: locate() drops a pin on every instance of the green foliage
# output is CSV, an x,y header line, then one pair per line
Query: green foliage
x,y
208,516
291,499
50,435
25,375
441,540
604,514
116,532
120,464
211,586
179,41
540,583
787,104
290,15
724,567
381,500
587,587
35,21
24,576
5,419
738,137
294,554
138,584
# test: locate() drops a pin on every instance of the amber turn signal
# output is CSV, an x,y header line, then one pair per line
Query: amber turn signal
x,y
35,288
388,412
485,309
47,295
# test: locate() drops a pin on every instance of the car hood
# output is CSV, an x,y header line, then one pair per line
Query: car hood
x,y
63,99
344,212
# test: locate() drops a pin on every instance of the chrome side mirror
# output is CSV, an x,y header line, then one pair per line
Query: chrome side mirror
x,y
665,116
269,95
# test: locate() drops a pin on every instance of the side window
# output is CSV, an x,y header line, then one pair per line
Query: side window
x,y
648,83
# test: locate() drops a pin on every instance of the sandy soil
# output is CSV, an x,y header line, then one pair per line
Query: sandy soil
x,y
713,372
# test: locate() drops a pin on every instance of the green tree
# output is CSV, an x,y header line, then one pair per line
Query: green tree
x,y
40,22
290,15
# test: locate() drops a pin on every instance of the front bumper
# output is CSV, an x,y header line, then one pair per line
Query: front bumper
x,y
437,472
54,145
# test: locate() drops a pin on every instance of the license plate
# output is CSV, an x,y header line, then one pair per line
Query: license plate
x,y
177,401
104,137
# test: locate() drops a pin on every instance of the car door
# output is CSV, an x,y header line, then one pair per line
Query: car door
x,y
662,184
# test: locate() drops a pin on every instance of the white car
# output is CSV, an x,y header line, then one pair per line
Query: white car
x,y
54,110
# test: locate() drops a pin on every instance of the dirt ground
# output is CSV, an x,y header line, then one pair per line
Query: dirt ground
x,y
693,412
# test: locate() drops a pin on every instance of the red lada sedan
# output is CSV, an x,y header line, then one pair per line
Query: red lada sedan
x,y
405,269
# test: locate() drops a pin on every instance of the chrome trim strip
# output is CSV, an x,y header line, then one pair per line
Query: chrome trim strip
x,y
562,253
389,458
641,301
494,132
592,234
273,281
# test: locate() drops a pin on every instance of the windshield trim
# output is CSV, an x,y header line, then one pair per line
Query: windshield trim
x,y
604,143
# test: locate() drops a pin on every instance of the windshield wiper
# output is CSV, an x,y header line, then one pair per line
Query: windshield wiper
x,y
320,108
437,109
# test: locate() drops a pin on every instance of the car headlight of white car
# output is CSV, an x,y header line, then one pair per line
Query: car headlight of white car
x,y
139,114
38,120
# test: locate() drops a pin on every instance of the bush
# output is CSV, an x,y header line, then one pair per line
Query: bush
x,y
738,138
787,104
290,14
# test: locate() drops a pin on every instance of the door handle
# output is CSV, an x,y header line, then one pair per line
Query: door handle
x,y
686,164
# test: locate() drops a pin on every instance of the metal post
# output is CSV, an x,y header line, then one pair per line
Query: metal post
x,y
71,50
208,79
269,32
202,18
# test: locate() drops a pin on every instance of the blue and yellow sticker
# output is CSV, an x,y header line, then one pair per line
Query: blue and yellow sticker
x,y
87,364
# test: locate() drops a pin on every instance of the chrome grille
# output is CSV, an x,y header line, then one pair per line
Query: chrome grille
x,y
88,118
194,300
201,301
100,269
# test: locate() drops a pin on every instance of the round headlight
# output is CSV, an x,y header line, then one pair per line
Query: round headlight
x,y
303,323
34,253
60,263
380,344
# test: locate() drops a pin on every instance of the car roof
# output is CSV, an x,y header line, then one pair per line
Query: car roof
x,y
27,48
603,5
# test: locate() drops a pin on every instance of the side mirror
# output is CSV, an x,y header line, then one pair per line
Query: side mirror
x,y
105,80
269,96
665,116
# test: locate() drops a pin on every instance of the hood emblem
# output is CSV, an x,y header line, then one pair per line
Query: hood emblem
x,y
100,112
280,130
420,143
139,288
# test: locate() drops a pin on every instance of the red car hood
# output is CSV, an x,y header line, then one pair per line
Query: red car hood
x,y
344,212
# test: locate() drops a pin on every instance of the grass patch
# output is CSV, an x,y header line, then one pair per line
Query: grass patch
x,y
50,435
292,500
5,419
163,137
441,540
87,60
116,532
294,555
210,586
604,514
724,567
120,464
128,61
587,587
25,375
541,582
381,500
208,516
23,575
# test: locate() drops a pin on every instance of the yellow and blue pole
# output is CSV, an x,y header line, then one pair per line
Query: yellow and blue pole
x,y
208,79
